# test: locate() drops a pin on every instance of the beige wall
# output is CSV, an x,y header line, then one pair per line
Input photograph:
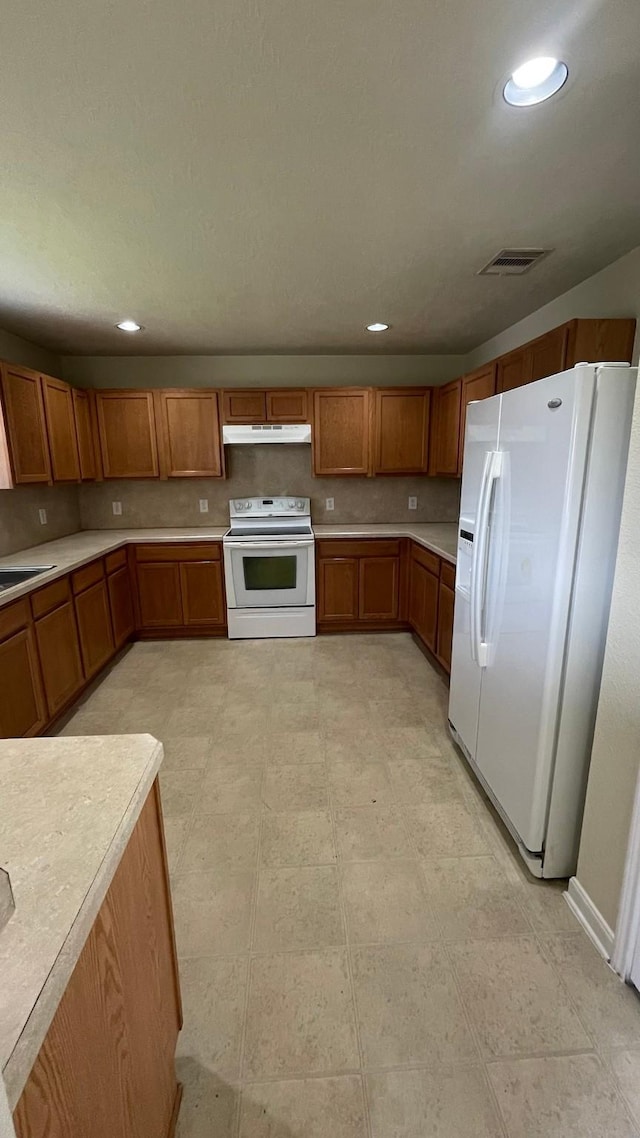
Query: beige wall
x,y
19,522
17,351
272,469
259,371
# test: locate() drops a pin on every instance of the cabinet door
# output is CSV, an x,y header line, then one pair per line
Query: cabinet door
x,y
338,589
378,592
121,605
445,429
598,340
513,370
61,430
25,423
244,407
401,431
126,425
159,594
94,627
190,434
22,707
549,353
59,651
341,431
480,384
84,434
423,604
202,593
287,406
445,626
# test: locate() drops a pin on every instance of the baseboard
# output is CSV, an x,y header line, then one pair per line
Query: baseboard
x,y
591,919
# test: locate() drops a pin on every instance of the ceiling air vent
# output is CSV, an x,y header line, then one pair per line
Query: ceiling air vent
x,y
512,262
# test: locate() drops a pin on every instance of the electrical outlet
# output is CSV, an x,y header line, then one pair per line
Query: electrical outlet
x,y
413,503
42,514
329,504
203,505
117,508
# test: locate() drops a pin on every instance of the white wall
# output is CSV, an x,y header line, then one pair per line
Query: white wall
x,y
614,291
258,371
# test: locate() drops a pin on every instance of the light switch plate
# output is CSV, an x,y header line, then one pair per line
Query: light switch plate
x,y
42,514
117,508
203,505
329,504
413,503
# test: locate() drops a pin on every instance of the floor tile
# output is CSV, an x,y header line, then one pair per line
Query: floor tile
x,y
385,901
470,897
209,1104
290,838
186,752
358,783
626,1069
296,786
221,841
294,747
423,780
175,832
300,1016
546,907
425,1104
371,833
230,788
408,743
298,908
304,1108
445,829
178,791
609,1009
568,1096
185,721
515,999
213,998
212,912
408,1007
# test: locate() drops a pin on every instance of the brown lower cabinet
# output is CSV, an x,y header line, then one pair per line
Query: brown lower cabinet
x,y
121,605
22,705
59,651
94,627
180,587
431,600
106,1067
358,584
445,625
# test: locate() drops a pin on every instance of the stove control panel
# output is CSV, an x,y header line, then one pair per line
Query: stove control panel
x,y
270,507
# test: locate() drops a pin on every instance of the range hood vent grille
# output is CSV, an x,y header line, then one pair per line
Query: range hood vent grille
x,y
512,262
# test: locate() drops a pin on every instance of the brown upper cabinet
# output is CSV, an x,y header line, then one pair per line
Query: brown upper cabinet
x,y
445,429
591,341
341,430
85,433
272,405
25,424
478,384
189,434
127,432
61,429
401,444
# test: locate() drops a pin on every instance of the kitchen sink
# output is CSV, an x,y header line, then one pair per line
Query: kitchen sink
x,y
18,574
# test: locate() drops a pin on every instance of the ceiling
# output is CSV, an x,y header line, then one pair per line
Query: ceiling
x,y
270,177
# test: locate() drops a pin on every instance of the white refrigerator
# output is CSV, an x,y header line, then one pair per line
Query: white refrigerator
x,y
542,485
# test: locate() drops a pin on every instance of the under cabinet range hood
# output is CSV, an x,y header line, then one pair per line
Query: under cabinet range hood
x,y
252,433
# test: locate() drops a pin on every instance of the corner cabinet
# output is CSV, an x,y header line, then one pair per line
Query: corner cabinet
x,y
445,430
401,435
106,1067
85,433
61,430
127,433
341,431
359,584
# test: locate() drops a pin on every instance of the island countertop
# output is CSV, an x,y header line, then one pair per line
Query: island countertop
x,y
69,807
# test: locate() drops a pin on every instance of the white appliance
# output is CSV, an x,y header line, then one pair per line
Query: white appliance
x,y
542,485
252,433
269,565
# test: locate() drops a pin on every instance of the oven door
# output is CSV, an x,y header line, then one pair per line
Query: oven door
x,y
262,574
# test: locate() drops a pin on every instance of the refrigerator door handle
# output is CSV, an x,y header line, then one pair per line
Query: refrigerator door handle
x,y
491,473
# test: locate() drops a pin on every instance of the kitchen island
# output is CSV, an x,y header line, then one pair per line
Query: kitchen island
x,y
90,1000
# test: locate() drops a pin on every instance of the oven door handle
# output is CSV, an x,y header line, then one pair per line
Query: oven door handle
x,y
270,545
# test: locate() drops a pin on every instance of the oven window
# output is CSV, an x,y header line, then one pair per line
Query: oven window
x,y
269,572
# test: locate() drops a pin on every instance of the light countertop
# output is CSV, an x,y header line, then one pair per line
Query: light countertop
x,y
439,537
68,808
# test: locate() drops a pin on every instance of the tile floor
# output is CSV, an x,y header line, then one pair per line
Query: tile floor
x,y
362,953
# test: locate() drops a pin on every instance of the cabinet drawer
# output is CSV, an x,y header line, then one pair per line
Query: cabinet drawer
x,y
448,574
176,551
365,547
89,575
428,560
50,598
115,560
14,617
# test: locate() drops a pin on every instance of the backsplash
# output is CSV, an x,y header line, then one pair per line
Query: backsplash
x,y
273,469
19,522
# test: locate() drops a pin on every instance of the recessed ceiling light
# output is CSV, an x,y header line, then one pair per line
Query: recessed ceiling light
x,y
129,326
377,327
535,81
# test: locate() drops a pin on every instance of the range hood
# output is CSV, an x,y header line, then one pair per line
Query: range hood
x,y
252,433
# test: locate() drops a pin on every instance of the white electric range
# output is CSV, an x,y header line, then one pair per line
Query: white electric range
x,y
269,565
